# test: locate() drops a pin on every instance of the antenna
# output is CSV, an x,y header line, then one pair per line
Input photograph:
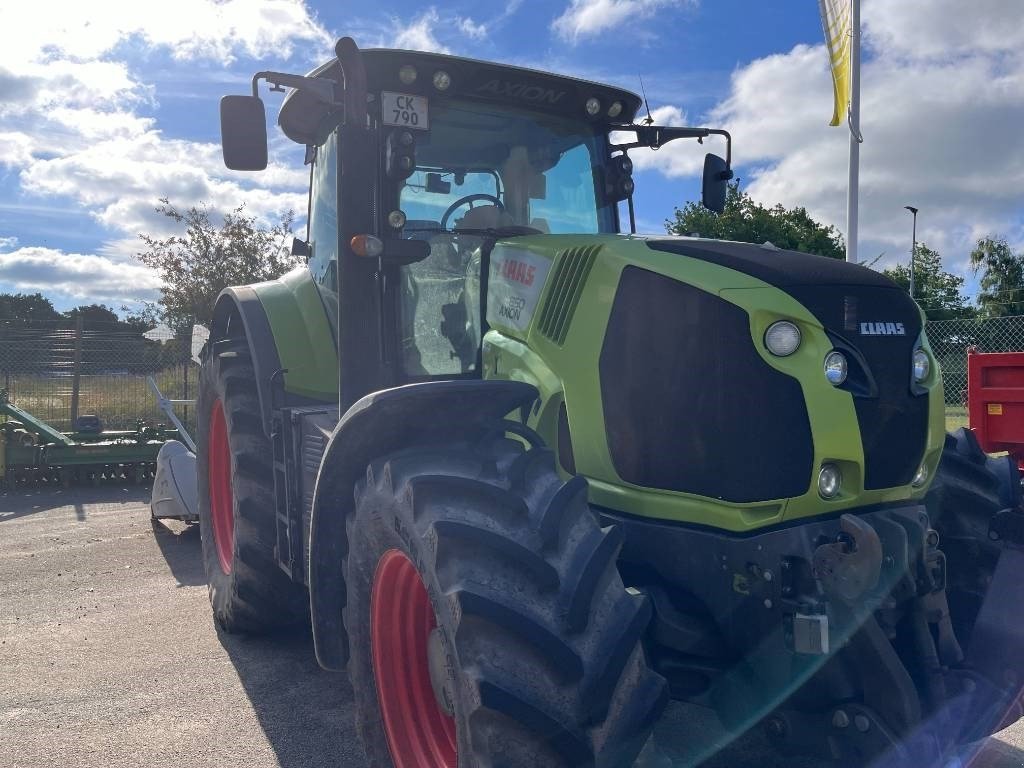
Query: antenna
x,y
647,120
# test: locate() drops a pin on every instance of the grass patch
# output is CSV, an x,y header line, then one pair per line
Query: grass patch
x,y
955,418
119,399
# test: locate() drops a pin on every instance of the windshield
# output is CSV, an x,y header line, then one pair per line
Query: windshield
x,y
511,167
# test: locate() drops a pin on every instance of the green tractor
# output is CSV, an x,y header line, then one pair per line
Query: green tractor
x,y
530,477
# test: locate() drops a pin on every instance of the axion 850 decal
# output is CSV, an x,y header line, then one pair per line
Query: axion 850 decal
x,y
514,286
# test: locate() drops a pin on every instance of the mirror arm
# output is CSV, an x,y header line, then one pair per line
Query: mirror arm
x,y
319,87
655,137
728,146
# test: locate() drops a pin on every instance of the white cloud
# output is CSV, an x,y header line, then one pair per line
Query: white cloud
x,y
8,242
75,128
190,29
77,276
470,28
944,28
586,18
419,34
940,118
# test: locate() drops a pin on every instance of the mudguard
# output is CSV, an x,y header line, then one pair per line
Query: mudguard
x,y
301,371
385,421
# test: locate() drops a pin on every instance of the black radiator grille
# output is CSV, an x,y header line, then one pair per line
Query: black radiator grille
x,y
689,405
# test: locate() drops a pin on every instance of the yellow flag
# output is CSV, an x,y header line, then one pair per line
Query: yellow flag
x,y
836,19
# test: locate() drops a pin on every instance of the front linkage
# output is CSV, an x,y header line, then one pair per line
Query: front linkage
x,y
840,635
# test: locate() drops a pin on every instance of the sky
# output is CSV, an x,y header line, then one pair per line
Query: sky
x,y
107,107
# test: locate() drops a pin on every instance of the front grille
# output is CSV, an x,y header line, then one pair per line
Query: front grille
x,y
570,275
689,405
893,420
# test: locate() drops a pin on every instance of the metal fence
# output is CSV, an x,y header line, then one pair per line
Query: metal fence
x,y
950,340
59,371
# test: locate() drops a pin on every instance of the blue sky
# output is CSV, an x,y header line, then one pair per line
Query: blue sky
x,y
105,109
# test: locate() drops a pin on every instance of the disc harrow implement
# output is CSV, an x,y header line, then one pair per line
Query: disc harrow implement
x,y
34,453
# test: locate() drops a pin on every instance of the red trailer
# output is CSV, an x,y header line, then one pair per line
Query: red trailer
x,y
995,401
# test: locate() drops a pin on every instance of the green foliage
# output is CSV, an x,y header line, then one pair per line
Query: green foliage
x,y
749,222
26,306
1002,278
93,314
936,291
196,266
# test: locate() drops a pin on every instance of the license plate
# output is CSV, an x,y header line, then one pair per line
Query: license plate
x,y
404,110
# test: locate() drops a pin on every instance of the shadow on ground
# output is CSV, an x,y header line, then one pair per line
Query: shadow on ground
x,y
183,551
28,500
305,711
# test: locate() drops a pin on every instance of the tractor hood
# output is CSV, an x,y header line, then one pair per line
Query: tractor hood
x,y
668,336
775,266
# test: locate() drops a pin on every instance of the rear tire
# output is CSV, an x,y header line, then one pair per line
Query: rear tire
x,y
537,648
248,592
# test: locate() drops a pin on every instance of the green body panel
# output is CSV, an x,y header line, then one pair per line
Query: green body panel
x,y
569,372
302,334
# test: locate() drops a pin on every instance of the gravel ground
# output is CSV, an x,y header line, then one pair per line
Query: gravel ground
x,y
109,657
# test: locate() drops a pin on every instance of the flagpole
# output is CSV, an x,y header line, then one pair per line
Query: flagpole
x,y
855,135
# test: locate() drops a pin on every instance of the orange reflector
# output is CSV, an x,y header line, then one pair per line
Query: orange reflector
x,y
366,245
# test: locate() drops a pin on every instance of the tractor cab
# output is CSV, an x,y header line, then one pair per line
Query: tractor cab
x,y
420,163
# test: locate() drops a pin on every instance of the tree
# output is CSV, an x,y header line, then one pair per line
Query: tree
x,y
750,222
26,306
1002,278
938,292
94,313
197,266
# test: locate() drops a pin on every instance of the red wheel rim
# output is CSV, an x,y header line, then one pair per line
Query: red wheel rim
x,y
218,462
419,733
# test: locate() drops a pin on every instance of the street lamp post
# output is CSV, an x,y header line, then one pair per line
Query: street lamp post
x,y
913,248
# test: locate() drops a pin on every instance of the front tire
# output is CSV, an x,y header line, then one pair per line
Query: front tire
x,y
248,592
487,620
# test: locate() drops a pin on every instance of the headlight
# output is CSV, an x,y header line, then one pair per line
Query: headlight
x,y
615,109
593,106
921,477
835,368
922,365
782,338
830,479
442,80
407,74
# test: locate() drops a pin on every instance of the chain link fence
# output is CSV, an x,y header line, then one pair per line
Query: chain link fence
x,y
59,371
950,340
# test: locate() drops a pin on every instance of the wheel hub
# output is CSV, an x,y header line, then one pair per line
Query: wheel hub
x,y
440,677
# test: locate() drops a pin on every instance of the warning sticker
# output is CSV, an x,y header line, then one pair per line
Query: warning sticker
x,y
514,285
995,409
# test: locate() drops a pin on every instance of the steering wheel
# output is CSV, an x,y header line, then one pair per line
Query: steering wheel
x,y
469,199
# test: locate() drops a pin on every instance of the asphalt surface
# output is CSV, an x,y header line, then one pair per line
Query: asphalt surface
x,y
109,657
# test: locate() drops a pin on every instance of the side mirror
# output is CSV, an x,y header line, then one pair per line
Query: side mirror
x,y
243,133
715,184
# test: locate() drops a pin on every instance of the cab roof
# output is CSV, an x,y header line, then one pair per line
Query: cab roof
x,y
302,114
